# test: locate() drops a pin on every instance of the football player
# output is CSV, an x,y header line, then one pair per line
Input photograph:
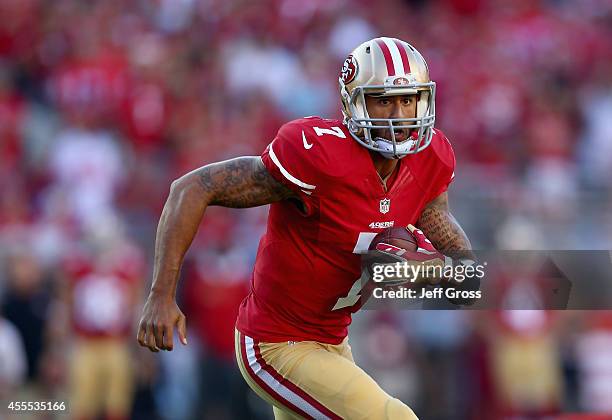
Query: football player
x,y
331,185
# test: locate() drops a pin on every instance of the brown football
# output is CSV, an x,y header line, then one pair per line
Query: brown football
x,y
399,237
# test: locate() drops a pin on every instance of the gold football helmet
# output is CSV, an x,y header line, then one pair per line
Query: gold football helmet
x,y
387,67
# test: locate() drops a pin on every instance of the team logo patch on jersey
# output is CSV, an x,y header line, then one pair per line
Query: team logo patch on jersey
x,y
385,203
349,69
381,225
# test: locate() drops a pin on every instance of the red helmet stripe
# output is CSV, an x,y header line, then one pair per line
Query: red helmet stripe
x,y
404,55
388,58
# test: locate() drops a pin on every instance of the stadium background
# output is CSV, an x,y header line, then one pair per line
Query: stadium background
x,y
104,103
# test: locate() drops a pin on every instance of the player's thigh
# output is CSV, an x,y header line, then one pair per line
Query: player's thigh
x,y
288,400
306,379
341,385
249,376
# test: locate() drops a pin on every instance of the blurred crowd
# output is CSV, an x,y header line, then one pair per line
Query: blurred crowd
x,y
104,103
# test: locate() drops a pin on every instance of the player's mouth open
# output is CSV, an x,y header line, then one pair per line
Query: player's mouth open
x,y
400,135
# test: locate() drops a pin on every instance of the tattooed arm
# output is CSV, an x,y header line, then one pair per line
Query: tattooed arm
x,y
238,183
443,230
445,234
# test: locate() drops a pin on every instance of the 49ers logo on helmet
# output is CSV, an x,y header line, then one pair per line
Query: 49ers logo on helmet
x,y
349,69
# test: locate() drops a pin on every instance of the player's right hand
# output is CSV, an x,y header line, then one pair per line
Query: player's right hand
x,y
159,317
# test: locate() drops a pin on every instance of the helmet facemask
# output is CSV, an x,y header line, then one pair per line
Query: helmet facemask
x,y
361,124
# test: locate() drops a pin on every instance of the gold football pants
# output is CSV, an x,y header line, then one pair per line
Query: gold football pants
x,y
313,380
101,378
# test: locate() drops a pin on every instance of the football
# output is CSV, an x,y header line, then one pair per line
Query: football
x,y
396,240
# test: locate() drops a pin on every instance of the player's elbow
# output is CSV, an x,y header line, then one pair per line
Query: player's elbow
x,y
178,186
192,185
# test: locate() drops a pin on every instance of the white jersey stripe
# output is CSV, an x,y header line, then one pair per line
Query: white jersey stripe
x,y
279,388
397,58
287,175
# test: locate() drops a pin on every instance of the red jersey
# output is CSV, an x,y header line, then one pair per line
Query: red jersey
x,y
103,291
308,260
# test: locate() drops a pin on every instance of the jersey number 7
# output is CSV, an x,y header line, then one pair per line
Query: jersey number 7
x,y
354,294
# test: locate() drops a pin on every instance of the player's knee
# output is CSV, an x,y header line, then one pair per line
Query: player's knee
x,y
397,410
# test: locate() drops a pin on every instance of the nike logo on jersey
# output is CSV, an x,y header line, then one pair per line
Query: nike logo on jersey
x,y
306,145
